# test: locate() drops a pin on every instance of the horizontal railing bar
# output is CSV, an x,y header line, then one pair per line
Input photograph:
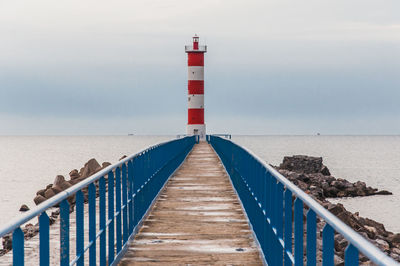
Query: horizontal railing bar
x,y
74,261
290,255
39,209
363,245
88,246
99,233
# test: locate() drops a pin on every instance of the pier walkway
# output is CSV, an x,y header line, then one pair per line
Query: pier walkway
x,y
196,220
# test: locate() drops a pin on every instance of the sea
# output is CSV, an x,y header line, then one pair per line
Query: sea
x,y
29,163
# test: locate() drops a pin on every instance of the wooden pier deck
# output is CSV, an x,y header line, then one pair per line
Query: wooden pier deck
x,y
196,220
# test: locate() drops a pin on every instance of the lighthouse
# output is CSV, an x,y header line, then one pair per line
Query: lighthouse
x,y
195,125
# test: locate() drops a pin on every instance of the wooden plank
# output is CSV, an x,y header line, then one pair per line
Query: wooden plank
x,y
196,220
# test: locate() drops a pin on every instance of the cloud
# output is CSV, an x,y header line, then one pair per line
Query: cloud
x,y
267,60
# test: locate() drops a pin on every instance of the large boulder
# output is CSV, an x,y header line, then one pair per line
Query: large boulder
x,y
105,164
56,189
58,180
24,208
64,185
41,192
91,167
49,193
304,164
395,238
39,199
74,174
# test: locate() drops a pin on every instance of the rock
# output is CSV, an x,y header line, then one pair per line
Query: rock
x,y
24,208
325,170
56,189
91,167
331,192
371,229
395,238
340,243
105,164
39,199
395,250
64,185
30,230
123,157
336,209
382,244
383,192
58,180
302,164
395,256
41,192
74,174
75,181
52,220
338,261
49,193
361,193
7,242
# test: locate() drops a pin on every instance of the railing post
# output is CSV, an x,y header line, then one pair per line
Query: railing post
x,y
118,207
64,233
44,242
110,217
279,221
79,228
124,202
92,224
102,220
130,196
298,232
351,256
328,245
18,247
311,238
288,226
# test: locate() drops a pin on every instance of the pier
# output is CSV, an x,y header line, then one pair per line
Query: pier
x,y
197,219
186,202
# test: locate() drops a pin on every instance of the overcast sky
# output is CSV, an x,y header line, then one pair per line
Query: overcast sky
x,y
272,66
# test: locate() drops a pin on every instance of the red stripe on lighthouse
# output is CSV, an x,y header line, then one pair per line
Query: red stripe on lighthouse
x,y
195,116
195,59
196,87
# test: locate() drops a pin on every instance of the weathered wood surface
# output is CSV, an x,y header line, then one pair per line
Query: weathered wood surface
x,y
196,220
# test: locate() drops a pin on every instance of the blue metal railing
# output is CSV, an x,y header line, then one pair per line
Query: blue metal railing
x,y
132,186
267,198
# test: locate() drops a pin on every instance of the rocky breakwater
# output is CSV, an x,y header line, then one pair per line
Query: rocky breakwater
x,y
60,184
314,178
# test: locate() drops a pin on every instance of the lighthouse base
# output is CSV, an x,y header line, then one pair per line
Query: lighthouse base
x,y
196,130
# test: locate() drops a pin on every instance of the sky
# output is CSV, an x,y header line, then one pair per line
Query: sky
x,y
272,66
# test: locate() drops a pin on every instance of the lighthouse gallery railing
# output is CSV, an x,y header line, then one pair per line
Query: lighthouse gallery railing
x,y
267,197
133,184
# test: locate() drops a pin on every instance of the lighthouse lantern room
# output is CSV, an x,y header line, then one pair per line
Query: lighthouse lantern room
x,y
196,125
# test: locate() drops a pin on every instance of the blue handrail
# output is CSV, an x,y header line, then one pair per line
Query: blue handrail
x,y
267,198
132,186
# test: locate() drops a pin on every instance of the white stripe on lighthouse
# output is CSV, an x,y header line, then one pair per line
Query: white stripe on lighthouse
x,y
196,101
196,73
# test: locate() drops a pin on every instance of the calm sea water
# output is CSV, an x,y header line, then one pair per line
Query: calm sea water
x,y
372,159
28,164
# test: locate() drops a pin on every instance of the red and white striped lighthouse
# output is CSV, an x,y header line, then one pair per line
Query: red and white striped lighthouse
x,y
195,53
